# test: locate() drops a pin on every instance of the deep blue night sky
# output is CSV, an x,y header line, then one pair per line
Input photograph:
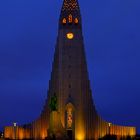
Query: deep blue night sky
x,y
28,31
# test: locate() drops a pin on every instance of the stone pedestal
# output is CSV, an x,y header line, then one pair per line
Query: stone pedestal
x,y
56,130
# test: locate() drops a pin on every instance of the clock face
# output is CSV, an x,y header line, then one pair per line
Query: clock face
x,y
70,35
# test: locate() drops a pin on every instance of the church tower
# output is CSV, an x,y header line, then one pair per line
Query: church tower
x,y
69,77
69,80
70,84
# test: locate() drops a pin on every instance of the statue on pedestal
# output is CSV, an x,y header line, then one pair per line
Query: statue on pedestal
x,y
53,103
56,131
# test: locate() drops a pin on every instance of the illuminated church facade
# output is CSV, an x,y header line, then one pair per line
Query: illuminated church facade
x,y
76,117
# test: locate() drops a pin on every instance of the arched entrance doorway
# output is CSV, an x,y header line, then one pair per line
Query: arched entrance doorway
x,y
70,120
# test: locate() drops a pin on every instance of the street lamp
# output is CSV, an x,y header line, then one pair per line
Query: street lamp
x,y
2,135
15,125
109,125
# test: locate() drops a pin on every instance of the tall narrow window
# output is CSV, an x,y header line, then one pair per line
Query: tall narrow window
x,y
64,21
69,66
69,86
69,75
70,18
76,21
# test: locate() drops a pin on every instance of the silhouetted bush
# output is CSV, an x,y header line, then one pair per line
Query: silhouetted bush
x,y
109,137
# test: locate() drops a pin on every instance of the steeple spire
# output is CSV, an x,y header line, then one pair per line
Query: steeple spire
x,y
70,14
70,5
